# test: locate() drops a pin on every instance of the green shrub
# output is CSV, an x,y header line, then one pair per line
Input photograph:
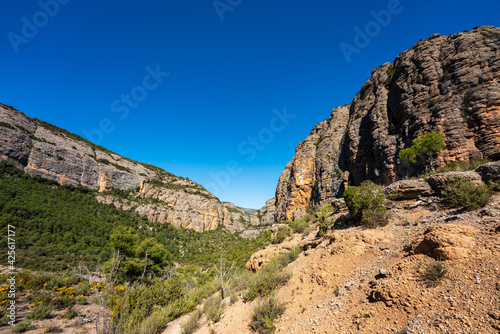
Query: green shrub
x,y
62,302
213,308
7,125
84,289
141,300
374,218
299,225
461,192
267,280
40,312
324,223
494,185
435,272
390,73
40,296
281,234
157,321
82,301
462,166
70,313
264,314
392,129
53,329
234,298
288,257
191,325
366,204
22,327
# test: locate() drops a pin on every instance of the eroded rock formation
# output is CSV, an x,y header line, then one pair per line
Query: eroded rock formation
x,y
44,150
448,84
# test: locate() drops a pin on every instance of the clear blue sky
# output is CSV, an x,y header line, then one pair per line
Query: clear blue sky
x,y
83,64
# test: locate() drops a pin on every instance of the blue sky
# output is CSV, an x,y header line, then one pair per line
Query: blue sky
x,y
219,91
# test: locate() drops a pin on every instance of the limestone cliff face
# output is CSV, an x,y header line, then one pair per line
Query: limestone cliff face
x,y
47,151
266,214
316,158
236,219
448,84
44,150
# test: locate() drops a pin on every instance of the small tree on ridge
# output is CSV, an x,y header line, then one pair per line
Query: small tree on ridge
x,y
424,147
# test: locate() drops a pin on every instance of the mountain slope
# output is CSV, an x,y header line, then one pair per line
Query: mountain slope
x,y
448,84
42,149
357,280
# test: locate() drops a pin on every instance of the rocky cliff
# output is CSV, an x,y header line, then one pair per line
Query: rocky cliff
x,y
42,149
448,84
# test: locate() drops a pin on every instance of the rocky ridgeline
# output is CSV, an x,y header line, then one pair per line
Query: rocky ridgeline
x,y
448,84
42,149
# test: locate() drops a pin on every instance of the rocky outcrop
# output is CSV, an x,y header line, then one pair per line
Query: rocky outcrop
x,y
448,84
435,184
313,175
446,242
42,149
439,181
408,189
236,219
489,172
266,214
260,258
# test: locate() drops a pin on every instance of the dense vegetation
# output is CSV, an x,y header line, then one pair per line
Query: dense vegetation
x,y
166,271
59,227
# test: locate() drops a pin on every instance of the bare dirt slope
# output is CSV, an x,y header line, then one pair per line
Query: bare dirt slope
x,y
371,281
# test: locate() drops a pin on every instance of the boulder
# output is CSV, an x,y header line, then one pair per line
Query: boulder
x,y
445,242
489,172
408,189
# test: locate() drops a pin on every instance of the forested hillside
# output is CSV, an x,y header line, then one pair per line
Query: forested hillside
x,y
60,227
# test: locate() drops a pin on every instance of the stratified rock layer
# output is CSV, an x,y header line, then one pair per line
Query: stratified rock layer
x,y
448,84
42,149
